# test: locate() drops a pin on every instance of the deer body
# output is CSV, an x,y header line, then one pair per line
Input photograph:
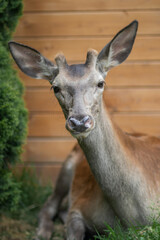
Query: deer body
x,y
122,179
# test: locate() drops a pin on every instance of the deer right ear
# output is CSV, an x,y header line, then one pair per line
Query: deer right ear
x,y
118,49
31,62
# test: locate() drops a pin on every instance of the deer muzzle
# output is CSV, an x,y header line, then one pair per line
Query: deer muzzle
x,y
79,124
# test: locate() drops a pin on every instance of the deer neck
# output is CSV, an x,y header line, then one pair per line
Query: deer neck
x,y
107,158
116,174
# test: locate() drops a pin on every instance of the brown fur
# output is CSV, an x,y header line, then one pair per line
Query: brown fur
x,y
144,151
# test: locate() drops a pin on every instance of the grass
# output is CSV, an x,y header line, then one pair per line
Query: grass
x,y
21,225
11,229
133,233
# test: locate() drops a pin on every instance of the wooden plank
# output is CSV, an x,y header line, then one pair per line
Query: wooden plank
x,y
46,173
131,100
75,49
47,125
140,123
47,150
50,125
41,100
86,24
135,75
127,74
72,5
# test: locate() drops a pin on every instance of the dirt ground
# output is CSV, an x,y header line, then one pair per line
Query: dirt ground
x,y
11,229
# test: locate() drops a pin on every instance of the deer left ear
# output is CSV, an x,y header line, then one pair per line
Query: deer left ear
x,y
31,62
116,51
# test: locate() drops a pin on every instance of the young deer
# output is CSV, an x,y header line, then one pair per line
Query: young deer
x,y
124,180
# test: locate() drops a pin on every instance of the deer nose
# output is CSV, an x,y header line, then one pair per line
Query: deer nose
x,y
80,124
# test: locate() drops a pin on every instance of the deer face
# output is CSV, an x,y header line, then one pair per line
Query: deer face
x,y
79,87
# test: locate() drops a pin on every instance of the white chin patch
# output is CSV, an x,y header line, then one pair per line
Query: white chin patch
x,y
80,135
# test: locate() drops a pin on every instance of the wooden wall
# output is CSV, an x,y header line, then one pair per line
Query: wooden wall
x,y
72,26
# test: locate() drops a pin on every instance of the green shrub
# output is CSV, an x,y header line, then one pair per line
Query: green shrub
x,y
13,115
22,195
12,112
10,192
10,11
30,186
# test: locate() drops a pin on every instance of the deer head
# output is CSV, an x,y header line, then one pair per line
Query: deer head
x,y
78,88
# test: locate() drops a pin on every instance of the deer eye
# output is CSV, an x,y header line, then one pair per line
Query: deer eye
x,y
55,89
100,84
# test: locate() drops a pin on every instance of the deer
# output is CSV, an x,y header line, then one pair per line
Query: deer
x,y
110,174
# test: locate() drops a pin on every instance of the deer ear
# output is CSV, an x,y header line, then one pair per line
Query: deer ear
x,y
31,62
116,51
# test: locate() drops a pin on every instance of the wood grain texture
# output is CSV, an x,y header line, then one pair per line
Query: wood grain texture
x,y
47,150
53,125
117,100
140,123
133,100
47,125
146,74
75,49
72,5
86,24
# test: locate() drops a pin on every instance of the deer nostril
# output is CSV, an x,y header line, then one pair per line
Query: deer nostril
x,y
74,121
85,119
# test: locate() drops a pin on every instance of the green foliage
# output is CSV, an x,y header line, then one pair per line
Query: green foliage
x,y
10,11
13,115
19,221
33,193
10,191
22,195
133,233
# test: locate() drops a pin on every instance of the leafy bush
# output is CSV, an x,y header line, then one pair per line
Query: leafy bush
x,y
10,11
22,195
33,194
10,190
13,115
20,222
